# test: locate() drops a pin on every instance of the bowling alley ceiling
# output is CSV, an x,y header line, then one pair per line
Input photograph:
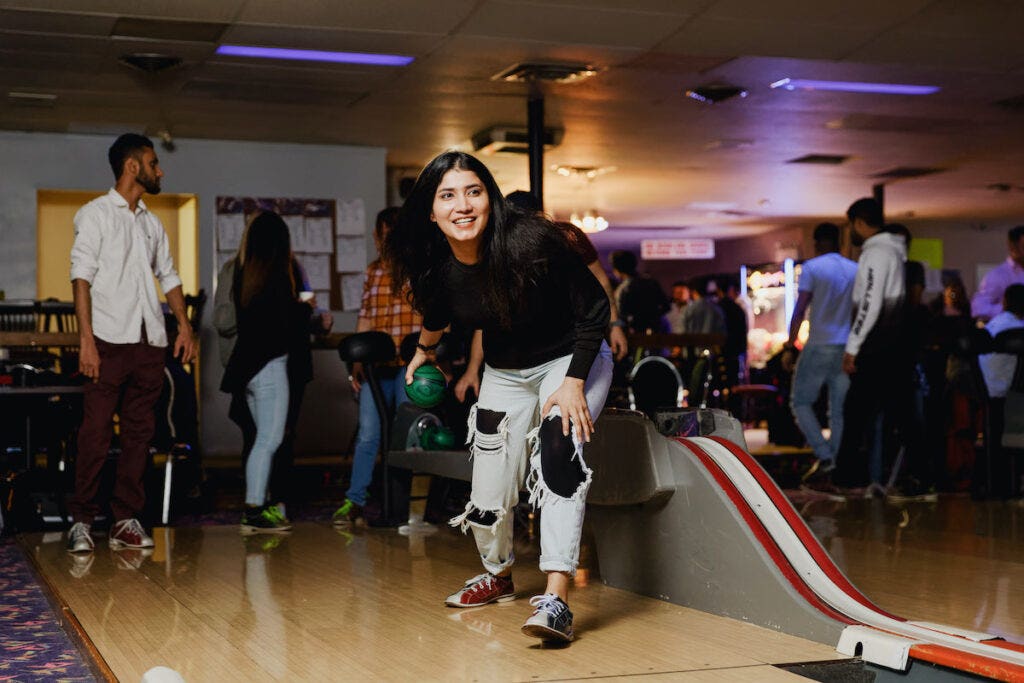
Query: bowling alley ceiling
x,y
662,159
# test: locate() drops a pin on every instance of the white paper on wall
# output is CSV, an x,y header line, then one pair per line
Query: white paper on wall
x,y
319,239
350,255
297,229
230,227
351,291
350,217
318,270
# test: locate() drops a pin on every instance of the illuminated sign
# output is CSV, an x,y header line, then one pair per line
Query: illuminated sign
x,y
677,249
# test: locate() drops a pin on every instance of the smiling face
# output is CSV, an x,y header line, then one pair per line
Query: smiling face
x,y
461,210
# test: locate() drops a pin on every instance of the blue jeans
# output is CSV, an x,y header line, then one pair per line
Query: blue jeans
x,y
267,396
368,436
820,365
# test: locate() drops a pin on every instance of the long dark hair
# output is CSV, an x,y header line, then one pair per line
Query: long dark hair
x,y
513,252
267,259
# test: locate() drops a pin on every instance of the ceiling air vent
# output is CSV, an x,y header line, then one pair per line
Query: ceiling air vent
x,y
1015,103
907,172
714,93
512,140
150,62
526,72
823,159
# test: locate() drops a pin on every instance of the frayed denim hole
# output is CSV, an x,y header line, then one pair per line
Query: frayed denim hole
x,y
488,421
562,472
484,518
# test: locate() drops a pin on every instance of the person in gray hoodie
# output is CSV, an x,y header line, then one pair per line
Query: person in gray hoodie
x,y
877,355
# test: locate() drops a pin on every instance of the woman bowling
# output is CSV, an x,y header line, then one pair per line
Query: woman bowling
x,y
473,260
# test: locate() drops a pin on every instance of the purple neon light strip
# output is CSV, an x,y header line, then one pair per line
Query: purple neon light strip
x,y
855,86
314,55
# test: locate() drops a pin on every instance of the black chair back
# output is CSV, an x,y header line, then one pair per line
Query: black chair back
x,y
654,383
370,349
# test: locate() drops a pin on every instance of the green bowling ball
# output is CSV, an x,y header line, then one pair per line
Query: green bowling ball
x,y
427,388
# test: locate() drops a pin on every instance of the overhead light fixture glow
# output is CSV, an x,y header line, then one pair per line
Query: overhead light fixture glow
x,y
590,221
314,55
856,86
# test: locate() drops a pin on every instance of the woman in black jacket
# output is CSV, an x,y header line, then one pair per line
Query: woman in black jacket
x,y
272,322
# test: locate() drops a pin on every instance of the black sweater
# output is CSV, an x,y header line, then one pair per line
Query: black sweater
x,y
566,312
273,324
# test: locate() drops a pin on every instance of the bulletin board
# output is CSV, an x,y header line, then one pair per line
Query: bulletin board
x,y
328,238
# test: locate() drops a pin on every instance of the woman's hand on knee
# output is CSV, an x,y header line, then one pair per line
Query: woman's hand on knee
x,y
572,403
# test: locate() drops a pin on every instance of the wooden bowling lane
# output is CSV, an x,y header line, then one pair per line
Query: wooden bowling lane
x,y
956,561
321,605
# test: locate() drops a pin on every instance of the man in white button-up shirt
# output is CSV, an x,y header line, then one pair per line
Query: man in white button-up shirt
x,y
119,247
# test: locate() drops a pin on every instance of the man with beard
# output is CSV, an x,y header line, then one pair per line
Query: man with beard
x,y
119,247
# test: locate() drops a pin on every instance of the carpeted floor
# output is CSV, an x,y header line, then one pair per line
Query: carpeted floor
x,y
33,646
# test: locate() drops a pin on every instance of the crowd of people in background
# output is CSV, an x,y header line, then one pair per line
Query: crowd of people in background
x,y
877,390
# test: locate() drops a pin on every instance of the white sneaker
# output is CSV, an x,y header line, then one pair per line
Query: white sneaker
x,y
80,538
551,620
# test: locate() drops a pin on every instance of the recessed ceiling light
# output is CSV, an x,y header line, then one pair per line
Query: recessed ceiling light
x,y
711,206
855,86
729,143
369,58
31,99
588,172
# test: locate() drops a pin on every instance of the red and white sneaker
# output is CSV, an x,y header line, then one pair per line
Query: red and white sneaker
x,y
128,533
482,590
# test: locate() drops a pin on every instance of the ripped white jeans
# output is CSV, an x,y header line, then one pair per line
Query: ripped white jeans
x,y
505,435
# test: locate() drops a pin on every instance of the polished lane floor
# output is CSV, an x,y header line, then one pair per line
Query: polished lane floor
x,y
322,605
318,605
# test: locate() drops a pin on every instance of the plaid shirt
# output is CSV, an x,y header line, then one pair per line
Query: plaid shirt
x,y
387,311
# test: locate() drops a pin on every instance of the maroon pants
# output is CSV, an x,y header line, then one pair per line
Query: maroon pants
x,y
137,370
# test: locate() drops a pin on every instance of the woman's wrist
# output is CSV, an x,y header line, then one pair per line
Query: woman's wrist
x,y
428,348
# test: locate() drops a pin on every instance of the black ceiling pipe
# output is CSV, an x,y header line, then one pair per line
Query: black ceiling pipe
x,y
878,192
535,135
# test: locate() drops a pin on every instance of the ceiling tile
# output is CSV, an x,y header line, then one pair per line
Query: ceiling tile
x,y
680,7
415,16
719,36
871,15
187,10
12,21
555,23
412,44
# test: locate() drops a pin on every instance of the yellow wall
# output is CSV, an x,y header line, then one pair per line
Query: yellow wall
x,y
55,232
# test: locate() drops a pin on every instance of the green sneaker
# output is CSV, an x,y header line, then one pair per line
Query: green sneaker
x,y
265,519
275,513
348,515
